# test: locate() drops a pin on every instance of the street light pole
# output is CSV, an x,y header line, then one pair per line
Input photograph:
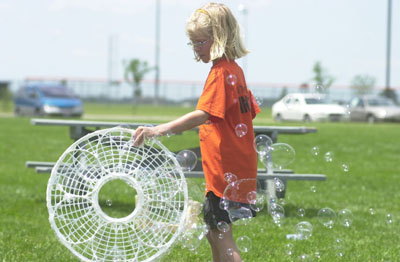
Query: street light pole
x,y
388,44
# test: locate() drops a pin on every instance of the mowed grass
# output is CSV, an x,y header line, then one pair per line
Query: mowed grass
x,y
371,152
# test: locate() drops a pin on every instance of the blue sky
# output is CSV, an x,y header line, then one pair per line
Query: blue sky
x,y
70,38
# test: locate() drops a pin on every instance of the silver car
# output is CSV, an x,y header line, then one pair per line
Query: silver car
x,y
373,108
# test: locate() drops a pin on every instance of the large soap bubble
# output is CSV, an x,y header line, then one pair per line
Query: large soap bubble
x,y
262,144
327,217
240,198
282,155
345,217
187,159
304,230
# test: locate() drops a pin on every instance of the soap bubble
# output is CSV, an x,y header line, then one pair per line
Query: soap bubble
x,y
236,199
258,100
241,130
262,144
320,89
345,217
109,202
278,214
328,156
327,217
256,201
313,189
279,185
345,168
371,211
304,258
187,159
243,243
252,197
315,151
231,80
304,229
229,177
221,236
339,247
229,251
282,155
224,204
223,226
289,248
389,219
301,212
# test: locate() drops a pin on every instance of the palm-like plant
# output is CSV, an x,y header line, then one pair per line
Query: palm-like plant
x,y
134,72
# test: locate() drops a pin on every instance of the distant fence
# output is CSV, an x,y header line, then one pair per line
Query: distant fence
x,y
173,91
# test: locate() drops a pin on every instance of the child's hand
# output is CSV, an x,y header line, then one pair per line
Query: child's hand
x,y
142,133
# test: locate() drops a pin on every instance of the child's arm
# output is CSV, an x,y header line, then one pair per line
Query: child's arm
x,y
186,122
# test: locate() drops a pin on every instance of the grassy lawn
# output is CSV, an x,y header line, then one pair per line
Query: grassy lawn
x,y
371,152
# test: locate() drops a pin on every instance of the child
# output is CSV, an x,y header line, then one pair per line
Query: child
x,y
224,113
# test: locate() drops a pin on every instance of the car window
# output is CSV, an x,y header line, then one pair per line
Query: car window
x,y
379,102
314,101
56,92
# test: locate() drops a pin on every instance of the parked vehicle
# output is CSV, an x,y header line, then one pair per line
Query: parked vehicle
x,y
307,107
45,99
373,108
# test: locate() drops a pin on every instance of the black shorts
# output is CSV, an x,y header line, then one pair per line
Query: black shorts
x,y
214,214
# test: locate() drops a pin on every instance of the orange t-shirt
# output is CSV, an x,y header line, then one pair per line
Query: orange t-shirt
x,y
229,103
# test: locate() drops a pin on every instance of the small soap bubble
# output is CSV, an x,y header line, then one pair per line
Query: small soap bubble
x,y
326,217
229,251
345,168
313,189
243,243
252,197
339,247
328,156
241,130
258,100
221,236
109,202
315,151
389,219
231,80
187,159
301,212
279,185
371,211
223,226
345,217
229,177
289,248
304,229
304,258
320,89
224,204
317,255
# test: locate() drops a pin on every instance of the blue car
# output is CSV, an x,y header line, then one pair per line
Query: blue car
x,y
45,99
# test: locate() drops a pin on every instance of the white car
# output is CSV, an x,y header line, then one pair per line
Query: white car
x,y
307,107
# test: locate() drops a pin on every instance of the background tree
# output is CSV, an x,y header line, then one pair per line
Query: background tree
x,y
322,80
390,93
363,84
134,72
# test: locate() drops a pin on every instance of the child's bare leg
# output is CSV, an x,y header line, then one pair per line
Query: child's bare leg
x,y
225,248
214,249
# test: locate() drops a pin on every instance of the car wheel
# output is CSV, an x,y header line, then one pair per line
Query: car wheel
x,y
371,119
307,118
278,118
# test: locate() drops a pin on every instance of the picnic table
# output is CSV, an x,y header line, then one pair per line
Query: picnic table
x,y
80,128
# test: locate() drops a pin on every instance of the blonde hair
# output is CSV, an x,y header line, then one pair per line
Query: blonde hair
x,y
216,21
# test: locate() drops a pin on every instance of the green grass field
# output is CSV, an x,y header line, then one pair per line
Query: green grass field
x,y
371,152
